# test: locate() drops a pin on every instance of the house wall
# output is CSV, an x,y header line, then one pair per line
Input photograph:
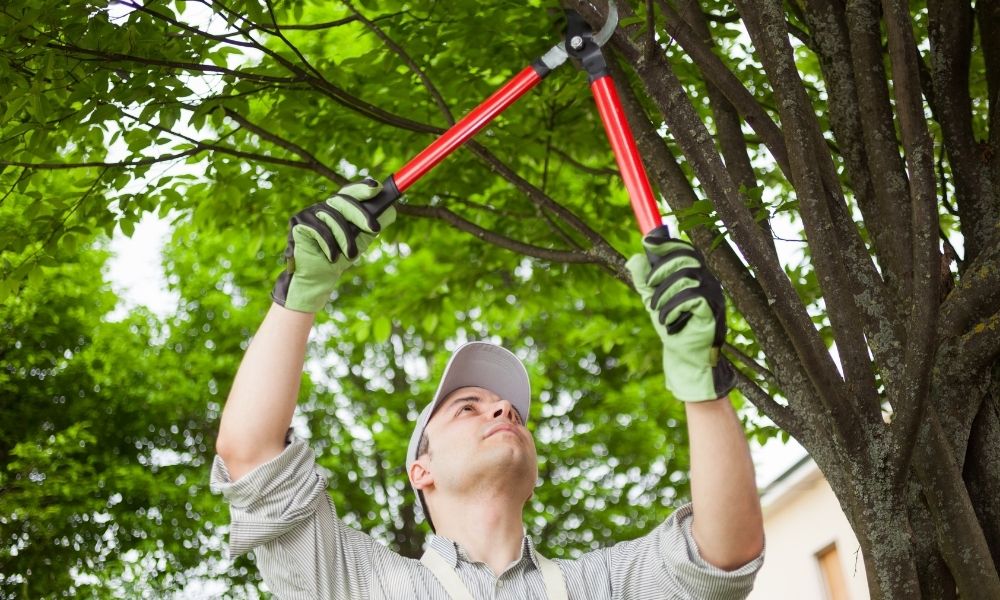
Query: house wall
x,y
801,518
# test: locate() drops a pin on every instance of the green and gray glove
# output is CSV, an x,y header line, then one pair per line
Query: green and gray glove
x,y
688,310
323,241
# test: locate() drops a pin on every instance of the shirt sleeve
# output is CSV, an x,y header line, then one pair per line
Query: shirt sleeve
x,y
665,563
281,509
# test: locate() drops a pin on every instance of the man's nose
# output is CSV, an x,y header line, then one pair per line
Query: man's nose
x,y
504,409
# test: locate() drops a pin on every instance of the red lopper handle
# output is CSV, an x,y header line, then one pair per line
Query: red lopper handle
x,y
644,205
467,127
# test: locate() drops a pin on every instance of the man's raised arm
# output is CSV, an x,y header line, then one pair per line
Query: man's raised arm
x,y
260,405
688,311
323,241
728,524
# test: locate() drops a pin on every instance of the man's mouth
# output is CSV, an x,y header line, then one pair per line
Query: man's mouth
x,y
501,428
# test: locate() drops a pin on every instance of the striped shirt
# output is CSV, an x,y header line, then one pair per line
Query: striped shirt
x,y
304,551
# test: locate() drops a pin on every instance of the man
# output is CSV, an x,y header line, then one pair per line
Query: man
x,y
471,460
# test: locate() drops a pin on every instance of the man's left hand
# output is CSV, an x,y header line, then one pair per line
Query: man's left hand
x,y
688,310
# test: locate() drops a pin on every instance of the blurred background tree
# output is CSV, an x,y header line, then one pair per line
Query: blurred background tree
x,y
863,133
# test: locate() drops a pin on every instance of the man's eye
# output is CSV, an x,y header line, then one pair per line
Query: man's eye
x,y
466,407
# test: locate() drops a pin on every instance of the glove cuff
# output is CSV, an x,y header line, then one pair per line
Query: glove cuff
x,y
700,385
304,298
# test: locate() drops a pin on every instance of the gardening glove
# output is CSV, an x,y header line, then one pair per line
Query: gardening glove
x,y
688,310
323,241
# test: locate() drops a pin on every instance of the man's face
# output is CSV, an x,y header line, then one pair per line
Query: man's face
x,y
478,439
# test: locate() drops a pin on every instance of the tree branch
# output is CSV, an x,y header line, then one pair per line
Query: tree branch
x,y
782,416
600,248
485,207
103,56
823,210
109,165
62,223
892,188
224,39
281,142
727,123
951,33
320,84
922,326
716,72
25,172
974,296
201,145
833,49
443,214
753,365
599,171
879,297
276,32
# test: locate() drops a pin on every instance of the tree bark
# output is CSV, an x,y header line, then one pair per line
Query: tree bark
x,y
879,518
960,537
935,577
982,466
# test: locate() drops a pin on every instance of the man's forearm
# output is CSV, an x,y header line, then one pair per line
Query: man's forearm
x,y
728,525
261,403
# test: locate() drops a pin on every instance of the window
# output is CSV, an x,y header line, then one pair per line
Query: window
x,y
833,575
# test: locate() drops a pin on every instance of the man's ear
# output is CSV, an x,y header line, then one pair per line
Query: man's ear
x,y
420,476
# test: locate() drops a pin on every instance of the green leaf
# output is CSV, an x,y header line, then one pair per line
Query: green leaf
x,y
430,322
381,329
127,226
633,20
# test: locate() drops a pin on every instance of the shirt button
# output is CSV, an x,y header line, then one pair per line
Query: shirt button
x,y
499,585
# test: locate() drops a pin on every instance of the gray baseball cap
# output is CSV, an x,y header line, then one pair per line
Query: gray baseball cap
x,y
479,364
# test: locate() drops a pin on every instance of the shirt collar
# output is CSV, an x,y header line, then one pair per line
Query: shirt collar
x,y
453,552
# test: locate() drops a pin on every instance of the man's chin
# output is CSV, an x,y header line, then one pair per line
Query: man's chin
x,y
510,459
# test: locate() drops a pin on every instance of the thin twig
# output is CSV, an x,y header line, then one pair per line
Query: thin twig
x,y
277,140
443,214
755,366
601,171
24,173
483,207
62,223
109,165
783,416
412,64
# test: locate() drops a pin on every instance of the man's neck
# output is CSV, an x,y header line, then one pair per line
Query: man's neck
x,y
490,530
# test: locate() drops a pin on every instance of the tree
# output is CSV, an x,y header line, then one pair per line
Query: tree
x,y
871,126
105,437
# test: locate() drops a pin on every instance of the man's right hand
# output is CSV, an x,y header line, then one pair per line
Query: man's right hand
x,y
323,241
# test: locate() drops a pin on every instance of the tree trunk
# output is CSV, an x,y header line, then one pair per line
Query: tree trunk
x,y
882,525
982,467
935,578
960,536
926,541
921,493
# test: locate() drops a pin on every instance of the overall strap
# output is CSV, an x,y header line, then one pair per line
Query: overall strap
x,y
555,585
446,575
